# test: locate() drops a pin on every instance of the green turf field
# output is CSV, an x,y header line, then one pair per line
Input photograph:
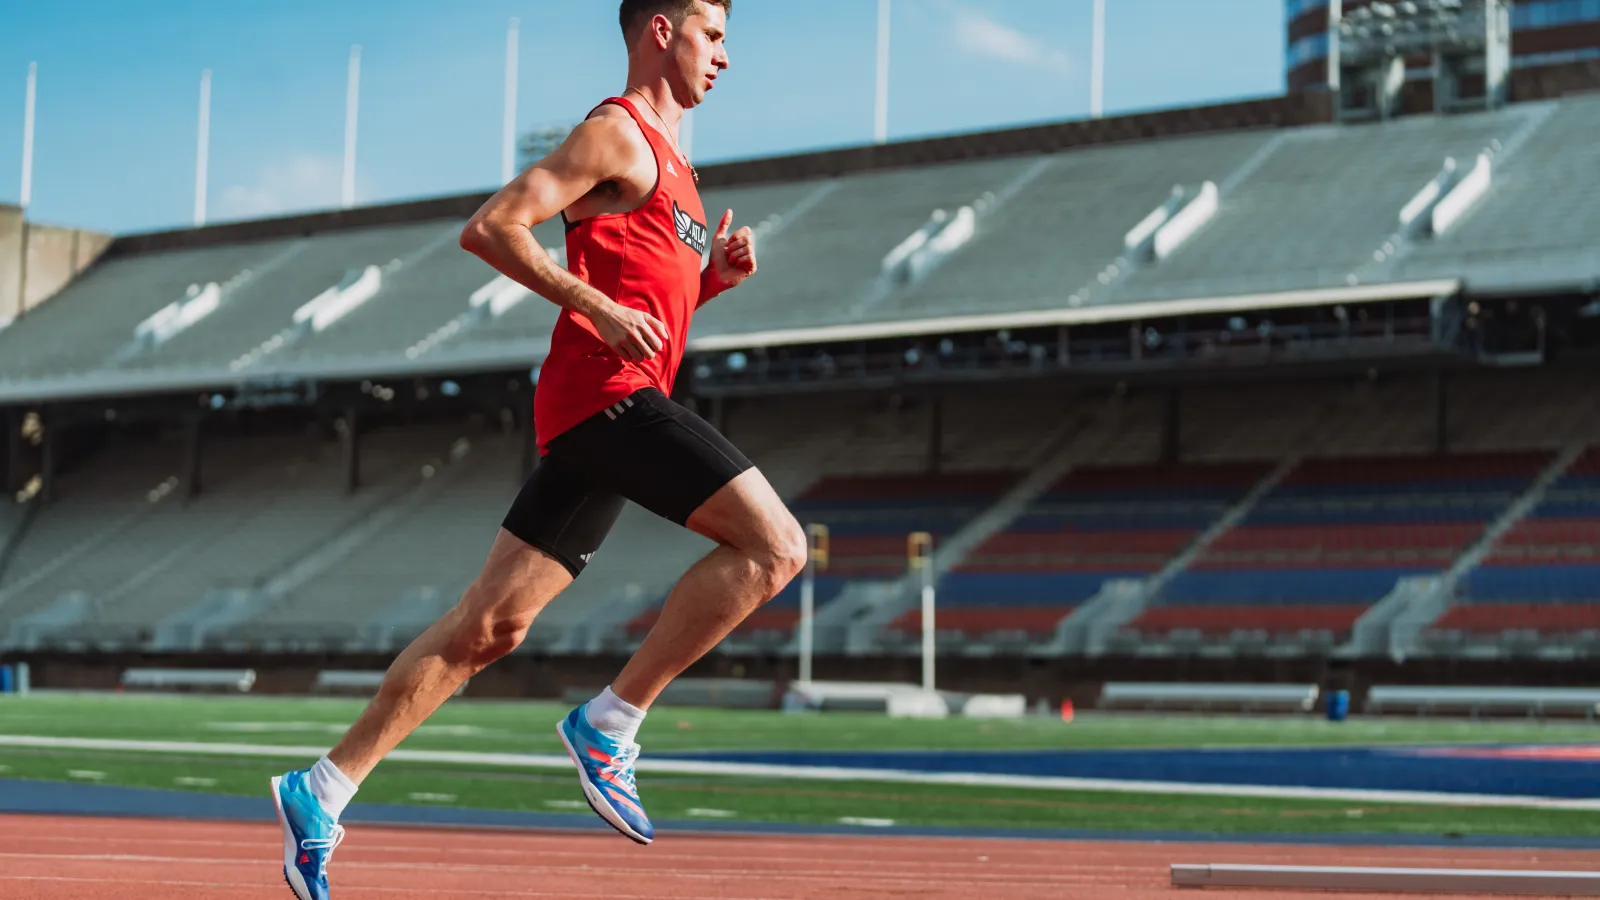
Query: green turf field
x,y
528,728
523,727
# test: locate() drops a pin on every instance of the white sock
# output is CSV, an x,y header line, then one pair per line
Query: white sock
x,y
332,788
614,717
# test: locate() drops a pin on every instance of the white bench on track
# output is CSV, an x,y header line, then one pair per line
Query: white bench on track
x,y
342,681
1184,695
1532,701
233,680
895,700
350,681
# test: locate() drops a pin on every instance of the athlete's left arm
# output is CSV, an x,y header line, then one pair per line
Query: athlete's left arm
x,y
733,259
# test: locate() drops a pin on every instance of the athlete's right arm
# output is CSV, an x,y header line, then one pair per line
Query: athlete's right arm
x,y
599,150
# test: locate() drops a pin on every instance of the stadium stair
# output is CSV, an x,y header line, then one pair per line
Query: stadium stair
x,y
1332,540
1532,580
916,257
227,290
99,508
1104,616
15,523
871,610
1400,245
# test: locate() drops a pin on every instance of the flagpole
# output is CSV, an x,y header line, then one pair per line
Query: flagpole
x,y
28,106
1097,67
880,130
202,160
508,133
352,103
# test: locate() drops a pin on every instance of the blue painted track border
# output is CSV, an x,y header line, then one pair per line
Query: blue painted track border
x,y
61,798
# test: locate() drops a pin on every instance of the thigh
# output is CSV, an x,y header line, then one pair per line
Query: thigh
x,y
562,513
654,452
749,515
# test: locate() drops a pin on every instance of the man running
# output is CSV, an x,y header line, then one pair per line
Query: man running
x,y
608,433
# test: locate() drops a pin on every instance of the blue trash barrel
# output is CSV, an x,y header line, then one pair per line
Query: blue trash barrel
x,y
1338,706
5,680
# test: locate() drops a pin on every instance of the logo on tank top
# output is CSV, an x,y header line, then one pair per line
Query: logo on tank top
x,y
670,169
689,231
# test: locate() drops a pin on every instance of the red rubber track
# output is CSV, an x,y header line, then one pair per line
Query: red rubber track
x,y
59,858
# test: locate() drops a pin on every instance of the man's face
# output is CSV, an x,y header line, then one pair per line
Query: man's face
x,y
698,53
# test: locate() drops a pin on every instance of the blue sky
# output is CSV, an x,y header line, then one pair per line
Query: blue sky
x,y
118,86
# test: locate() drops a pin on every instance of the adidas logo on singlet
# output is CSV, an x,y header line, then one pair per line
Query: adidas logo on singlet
x,y
689,231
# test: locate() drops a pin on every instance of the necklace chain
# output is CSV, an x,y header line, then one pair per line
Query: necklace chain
x,y
667,130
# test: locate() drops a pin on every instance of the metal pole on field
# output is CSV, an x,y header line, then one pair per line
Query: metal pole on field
x,y
352,104
202,150
508,133
1097,67
816,558
880,130
919,552
27,185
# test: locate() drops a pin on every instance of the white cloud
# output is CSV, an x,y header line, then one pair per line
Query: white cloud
x,y
978,34
302,182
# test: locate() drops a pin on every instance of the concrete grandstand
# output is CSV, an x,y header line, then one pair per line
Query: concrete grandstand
x,y
1288,389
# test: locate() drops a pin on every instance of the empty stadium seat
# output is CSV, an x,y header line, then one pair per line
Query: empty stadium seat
x,y
1543,574
1335,536
1093,525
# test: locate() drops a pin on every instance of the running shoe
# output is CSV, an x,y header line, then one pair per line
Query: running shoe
x,y
605,769
309,836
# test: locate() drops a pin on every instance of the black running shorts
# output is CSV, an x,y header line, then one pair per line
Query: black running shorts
x,y
647,449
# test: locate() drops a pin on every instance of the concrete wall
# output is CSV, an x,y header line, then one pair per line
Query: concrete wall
x,y
55,256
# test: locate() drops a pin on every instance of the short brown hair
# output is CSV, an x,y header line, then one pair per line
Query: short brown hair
x,y
635,13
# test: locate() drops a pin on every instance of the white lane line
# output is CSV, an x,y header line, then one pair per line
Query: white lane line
x,y
192,781
835,773
705,813
566,804
86,774
425,797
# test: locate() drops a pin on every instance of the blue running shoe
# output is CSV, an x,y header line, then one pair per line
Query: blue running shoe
x,y
605,769
309,836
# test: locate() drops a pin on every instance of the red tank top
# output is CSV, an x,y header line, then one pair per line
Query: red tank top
x,y
648,259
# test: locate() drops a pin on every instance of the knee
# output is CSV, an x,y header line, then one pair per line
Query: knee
x,y
482,634
785,555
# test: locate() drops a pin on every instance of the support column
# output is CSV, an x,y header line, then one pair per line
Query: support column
x,y
351,436
719,415
936,435
191,461
530,450
1172,427
47,460
1441,412
12,473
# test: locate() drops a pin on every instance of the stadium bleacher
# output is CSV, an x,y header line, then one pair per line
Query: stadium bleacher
x,y
1534,224
1092,525
1334,537
1317,206
273,554
1302,208
1544,574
